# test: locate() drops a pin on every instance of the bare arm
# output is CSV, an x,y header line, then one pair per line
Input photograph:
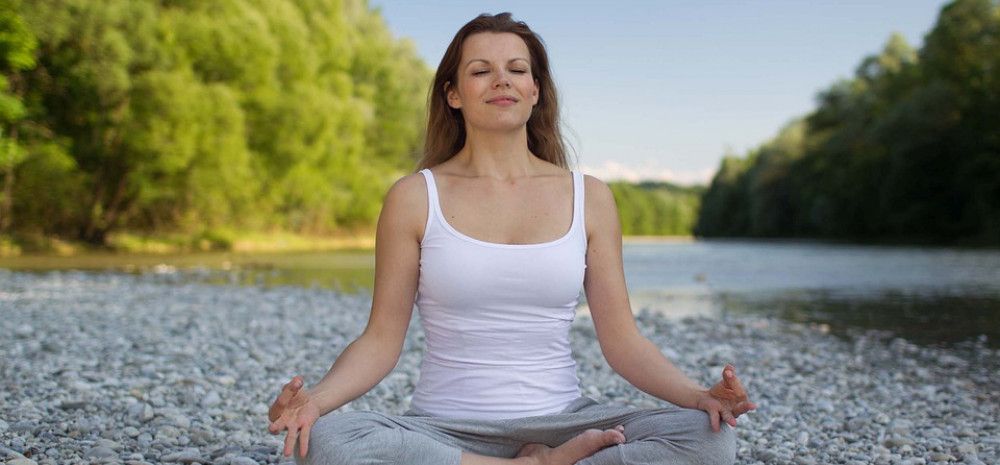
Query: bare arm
x,y
629,353
374,354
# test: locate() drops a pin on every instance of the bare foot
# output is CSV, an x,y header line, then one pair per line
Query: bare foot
x,y
580,447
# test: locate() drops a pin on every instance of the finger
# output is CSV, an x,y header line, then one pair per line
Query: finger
x,y
290,440
713,419
733,382
729,377
290,389
276,426
728,418
287,392
744,407
304,440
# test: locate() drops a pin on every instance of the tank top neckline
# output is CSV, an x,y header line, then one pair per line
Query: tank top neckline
x,y
435,204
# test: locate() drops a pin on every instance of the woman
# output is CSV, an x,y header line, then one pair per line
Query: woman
x,y
480,236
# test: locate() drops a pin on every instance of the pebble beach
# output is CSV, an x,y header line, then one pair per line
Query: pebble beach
x,y
151,368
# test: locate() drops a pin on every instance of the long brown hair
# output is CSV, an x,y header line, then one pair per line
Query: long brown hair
x,y
445,125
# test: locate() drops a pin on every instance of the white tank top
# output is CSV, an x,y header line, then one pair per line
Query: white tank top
x,y
496,319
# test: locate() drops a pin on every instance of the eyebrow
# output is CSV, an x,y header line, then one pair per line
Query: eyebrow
x,y
487,61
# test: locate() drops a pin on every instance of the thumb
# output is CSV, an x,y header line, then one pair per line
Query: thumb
x,y
729,376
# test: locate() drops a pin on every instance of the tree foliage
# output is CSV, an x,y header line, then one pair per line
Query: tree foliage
x,y
189,115
656,208
908,149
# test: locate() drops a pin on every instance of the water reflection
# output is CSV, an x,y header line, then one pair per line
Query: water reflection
x,y
930,296
921,318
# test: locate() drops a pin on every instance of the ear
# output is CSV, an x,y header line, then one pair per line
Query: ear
x,y
534,94
454,100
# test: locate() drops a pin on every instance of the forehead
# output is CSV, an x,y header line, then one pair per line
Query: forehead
x,y
494,47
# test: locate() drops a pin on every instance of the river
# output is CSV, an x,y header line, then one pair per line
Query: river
x,y
927,295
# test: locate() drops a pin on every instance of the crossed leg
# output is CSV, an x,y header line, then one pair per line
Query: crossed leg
x,y
587,436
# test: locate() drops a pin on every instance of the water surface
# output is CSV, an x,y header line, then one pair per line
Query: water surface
x,y
928,295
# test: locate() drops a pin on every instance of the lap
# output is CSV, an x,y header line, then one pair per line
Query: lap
x,y
682,431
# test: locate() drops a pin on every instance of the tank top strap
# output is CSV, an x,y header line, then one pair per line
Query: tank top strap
x,y
578,202
432,199
432,192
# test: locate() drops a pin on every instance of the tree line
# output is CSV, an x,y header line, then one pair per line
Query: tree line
x,y
906,150
186,115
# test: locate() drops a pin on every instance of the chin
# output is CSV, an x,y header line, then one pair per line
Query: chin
x,y
501,124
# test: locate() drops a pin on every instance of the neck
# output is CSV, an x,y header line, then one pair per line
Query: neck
x,y
500,155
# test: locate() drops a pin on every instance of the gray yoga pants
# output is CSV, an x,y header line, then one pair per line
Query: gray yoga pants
x,y
670,435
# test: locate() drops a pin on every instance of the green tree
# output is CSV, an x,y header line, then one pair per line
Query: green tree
x,y
17,47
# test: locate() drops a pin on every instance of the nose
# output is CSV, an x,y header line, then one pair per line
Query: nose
x,y
502,81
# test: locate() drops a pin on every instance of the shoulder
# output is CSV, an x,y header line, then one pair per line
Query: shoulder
x,y
405,204
599,198
600,208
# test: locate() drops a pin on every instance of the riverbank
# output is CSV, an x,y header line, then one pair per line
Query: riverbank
x,y
126,243
118,368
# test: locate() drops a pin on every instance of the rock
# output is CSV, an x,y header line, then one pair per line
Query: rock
x,y
100,453
896,441
966,448
826,406
765,455
167,431
259,408
22,426
24,331
967,433
238,460
108,444
802,438
21,461
187,455
211,399
72,404
141,412
131,431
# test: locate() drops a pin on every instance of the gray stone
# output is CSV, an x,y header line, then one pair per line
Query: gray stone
x,y
765,455
188,455
167,431
24,331
21,461
72,404
896,441
22,426
100,453
236,460
141,412
108,444
211,399
966,448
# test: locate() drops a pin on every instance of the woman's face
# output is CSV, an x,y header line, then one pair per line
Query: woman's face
x,y
496,88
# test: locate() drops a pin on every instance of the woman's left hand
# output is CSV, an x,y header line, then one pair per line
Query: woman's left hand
x,y
726,400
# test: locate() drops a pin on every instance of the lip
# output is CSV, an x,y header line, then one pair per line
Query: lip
x,y
503,100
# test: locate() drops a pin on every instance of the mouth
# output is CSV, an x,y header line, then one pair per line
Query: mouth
x,y
504,100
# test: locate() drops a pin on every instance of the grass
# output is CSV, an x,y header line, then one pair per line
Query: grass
x,y
211,240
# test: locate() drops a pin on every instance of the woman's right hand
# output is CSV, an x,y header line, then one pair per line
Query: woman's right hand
x,y
294,410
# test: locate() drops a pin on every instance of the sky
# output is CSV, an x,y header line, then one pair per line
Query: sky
x,y
662,90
